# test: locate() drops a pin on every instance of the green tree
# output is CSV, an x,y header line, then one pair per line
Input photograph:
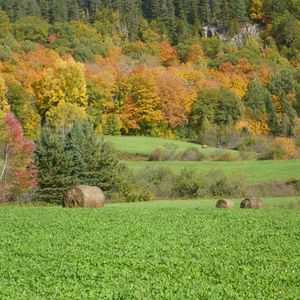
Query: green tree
x,y
219,107
79,156
94,162
54,166
31,28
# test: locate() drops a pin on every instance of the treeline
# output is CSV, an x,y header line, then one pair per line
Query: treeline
x,y
175,18
203,90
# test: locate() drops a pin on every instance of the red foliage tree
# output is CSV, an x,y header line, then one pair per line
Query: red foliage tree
x,y
18,167
168,55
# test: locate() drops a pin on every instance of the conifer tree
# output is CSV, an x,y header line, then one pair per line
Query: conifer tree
x,y
93,161
54,166
79,156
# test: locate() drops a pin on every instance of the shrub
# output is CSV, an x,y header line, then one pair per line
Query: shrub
x,y
189,184
224,156
171,151
192,154
220,184
156,181
158,154
280,148
288,147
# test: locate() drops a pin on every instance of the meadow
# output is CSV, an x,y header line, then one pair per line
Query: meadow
x,y
158,250
255,171
145,145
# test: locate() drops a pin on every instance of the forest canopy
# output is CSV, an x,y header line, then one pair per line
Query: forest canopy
x,y
160,67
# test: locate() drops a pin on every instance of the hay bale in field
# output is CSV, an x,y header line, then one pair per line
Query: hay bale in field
x,y
254,203
84,196
224,203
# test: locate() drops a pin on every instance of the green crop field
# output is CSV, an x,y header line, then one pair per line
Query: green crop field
x,y
273,202
149,252
145,145
255,171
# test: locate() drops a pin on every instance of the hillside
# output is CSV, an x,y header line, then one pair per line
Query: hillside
x,y
146,145
200,70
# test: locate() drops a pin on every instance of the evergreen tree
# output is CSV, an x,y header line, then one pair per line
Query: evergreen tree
x,y
297,107
54,166
255,100
76,157
93,160
272,118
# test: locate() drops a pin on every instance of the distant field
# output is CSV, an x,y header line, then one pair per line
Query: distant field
x,y
275,202
256,171
149,251
145,145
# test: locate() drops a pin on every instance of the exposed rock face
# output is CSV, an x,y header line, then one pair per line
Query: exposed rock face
x,y
248,30
209,31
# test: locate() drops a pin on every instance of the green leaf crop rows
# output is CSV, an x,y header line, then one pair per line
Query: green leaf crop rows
x,y
149,253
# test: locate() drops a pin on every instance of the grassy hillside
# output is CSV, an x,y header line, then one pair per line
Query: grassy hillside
x,y
145,145
256,171
148,253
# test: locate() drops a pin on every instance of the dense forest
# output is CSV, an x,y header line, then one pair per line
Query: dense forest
x,y
188,69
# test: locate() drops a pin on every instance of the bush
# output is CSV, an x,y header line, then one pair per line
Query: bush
x,y
158,154
189,184
156,181
224,156
222,185
169,152
192,154
280,148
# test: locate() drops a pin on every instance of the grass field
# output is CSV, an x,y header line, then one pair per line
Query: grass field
x,y
274,202
145,145
256,171
149,251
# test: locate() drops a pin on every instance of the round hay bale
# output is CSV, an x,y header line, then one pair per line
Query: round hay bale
x,y
84,196
253,203
224,203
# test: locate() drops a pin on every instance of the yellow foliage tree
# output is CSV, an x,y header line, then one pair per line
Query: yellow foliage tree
x,y
137,102
64,83
63,115
288,147
253,126
4,106
256,10
175,97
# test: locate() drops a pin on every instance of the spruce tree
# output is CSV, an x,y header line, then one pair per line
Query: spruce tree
x,y
79,156
94,162
54,166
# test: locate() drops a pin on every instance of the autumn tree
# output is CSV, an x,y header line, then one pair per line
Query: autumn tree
x,y
175,97
137,103
4,106
260,109
168,55
18,173
22,105
256,10
64,83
